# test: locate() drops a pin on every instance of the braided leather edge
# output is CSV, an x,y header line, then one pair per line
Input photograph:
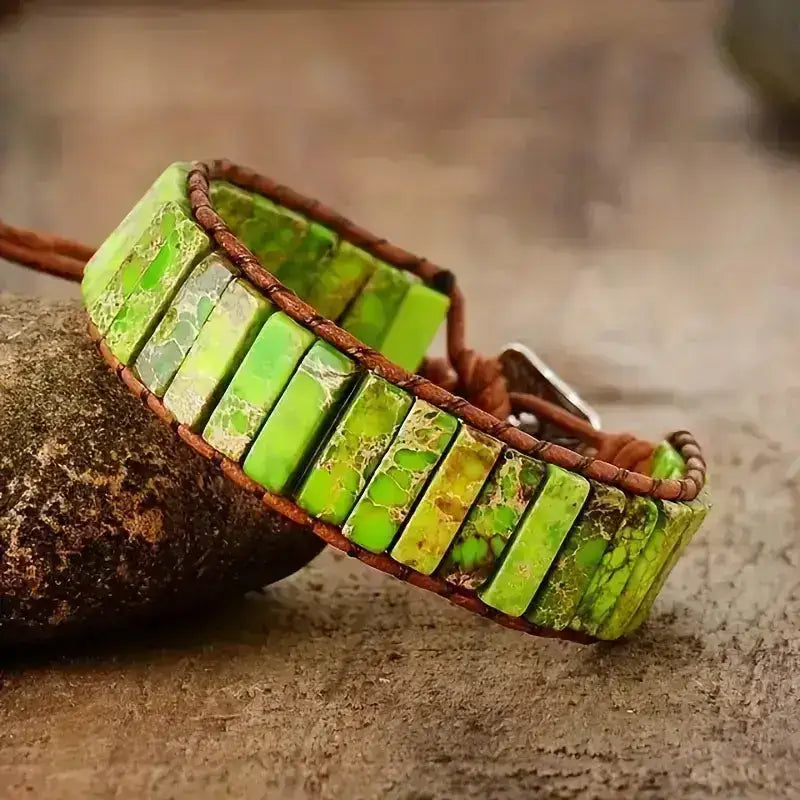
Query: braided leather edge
x,y
686,488
330,534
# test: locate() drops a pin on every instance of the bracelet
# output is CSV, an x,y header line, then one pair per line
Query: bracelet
x,y
287,345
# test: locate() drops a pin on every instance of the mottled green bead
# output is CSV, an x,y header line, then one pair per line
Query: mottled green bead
x,y
342,279
555,603
351,453
147,303
536,542
372,312
220,347
451,492
122,283
699,509
414,326
292,431
673,518
302,268
176,333
667,462
398,481
616,565
233,204
257,385
492,520
170,185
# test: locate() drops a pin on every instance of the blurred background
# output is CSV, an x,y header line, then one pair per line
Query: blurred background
x,y
609,191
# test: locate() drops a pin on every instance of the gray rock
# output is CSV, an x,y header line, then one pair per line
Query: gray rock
x,y
105,516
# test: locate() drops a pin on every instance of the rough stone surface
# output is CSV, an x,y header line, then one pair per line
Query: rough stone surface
x,y
605,192
104,516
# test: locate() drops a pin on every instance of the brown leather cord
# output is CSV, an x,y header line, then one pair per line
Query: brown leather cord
x,y
63,258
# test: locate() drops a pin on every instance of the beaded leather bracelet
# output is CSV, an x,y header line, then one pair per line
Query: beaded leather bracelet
x,y
287,345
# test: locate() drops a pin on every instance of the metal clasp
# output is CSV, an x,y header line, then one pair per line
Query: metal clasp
x,y
526,372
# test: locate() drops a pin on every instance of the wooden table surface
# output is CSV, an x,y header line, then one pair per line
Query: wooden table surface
x,y
607,193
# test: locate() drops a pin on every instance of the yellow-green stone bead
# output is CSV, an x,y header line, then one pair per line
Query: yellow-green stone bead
x,y
220,347
492,520
302,268
667,462
398,481
350,455
233,204
257,385
178,330
147,303
536,542
371,314
555,603
122,283
414,326
297,423
673,519
170,185
342,279
699,509
616,565
451,492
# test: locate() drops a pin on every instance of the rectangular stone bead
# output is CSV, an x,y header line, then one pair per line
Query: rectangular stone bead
x,y
170,185
616,565
272,233
699,509
536,542
667,462
673,519
348,458
122,283
414,326
164,352
299,420
257,385
446,502
371,314
303,267
220,347
398,481
147,303
342,279
555,603
492,520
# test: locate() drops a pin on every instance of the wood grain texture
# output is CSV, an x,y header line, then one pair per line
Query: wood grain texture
x,y
598,162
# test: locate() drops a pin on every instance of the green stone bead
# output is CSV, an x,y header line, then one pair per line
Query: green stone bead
x,y
170,185
341,280
176,333
555,603
535,545
451,492
608,581
297,423
147,303
236,206
351,454
667,462
257,385
122,283
673,519
303,267
220,347
371,314
492,520
699,509
414,326
398,481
